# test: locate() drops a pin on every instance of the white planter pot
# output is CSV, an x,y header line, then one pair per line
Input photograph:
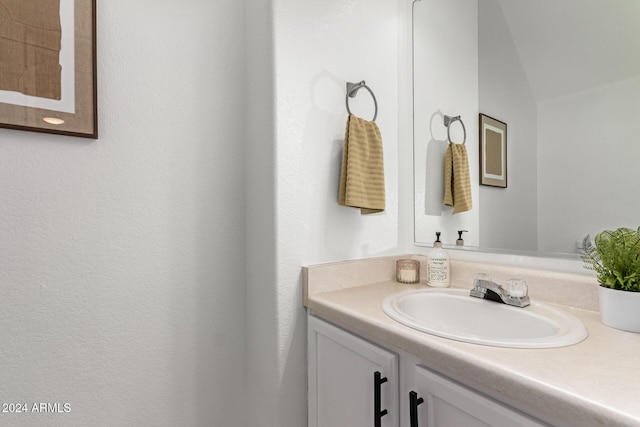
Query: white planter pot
x,y
620,309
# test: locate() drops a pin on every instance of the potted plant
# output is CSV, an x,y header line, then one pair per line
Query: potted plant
x,y
615,258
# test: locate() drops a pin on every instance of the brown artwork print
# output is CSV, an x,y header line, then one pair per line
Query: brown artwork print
x,y
494,153
30,43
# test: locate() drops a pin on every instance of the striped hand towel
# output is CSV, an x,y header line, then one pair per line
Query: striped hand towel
x,y
362,172
457,183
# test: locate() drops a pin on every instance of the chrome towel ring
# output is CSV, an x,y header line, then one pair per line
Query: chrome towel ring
x,y
352,90
448,120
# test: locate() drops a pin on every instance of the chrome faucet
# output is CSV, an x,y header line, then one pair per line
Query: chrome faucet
x,y
485,288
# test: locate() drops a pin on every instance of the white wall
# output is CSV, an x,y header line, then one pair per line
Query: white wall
x,y
595,132
346,40
262,375
508,217
319,46
445,83
120,259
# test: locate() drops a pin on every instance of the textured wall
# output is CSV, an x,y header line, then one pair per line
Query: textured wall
x,y
121,290
318,47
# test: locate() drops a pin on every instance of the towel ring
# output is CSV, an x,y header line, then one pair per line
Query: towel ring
x,y
447,122
352,90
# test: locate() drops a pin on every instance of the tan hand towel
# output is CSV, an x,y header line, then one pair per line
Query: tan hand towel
x,y
457,183
362,172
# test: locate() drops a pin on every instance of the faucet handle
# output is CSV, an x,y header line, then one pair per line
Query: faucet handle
x,y
517,288
480,280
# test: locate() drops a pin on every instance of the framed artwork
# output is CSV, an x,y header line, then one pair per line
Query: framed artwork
x,y
48,66
493,152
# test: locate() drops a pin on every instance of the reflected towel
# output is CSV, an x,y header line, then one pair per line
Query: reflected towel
x,y
457,182
362,171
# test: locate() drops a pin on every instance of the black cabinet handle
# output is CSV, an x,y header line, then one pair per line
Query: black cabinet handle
x,y
414,401
378,412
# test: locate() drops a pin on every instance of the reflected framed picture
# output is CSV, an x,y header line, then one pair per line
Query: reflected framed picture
x,y
493,152
48,66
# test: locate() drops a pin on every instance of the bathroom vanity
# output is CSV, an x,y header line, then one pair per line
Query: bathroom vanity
x,y
368,369
353,381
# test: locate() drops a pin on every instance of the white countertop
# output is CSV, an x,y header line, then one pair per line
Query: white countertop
x,y
593,383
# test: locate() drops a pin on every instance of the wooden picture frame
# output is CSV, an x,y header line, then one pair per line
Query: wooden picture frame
x,y
48,72
493,152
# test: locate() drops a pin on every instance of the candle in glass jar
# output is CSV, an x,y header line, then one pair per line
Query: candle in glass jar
x,y
407,271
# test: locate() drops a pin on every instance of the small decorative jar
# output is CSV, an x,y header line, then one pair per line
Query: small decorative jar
x,y
407,271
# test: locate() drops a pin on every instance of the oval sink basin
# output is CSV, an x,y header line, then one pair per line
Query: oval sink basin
x,y
453,314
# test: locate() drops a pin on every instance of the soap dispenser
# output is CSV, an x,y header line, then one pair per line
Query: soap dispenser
x,y
460,241
438,265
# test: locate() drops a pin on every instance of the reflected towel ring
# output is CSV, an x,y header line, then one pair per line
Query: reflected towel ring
x,y
352,90
447,122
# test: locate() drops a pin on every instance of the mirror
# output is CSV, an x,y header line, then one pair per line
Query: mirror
x,y
564,75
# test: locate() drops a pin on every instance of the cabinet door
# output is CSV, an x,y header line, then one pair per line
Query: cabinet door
x,y
346,376
443,403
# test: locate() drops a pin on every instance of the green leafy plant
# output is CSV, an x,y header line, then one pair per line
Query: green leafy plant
x,y
615,258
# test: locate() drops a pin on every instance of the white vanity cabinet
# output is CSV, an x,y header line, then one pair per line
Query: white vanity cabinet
x,y
352,382
355,383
